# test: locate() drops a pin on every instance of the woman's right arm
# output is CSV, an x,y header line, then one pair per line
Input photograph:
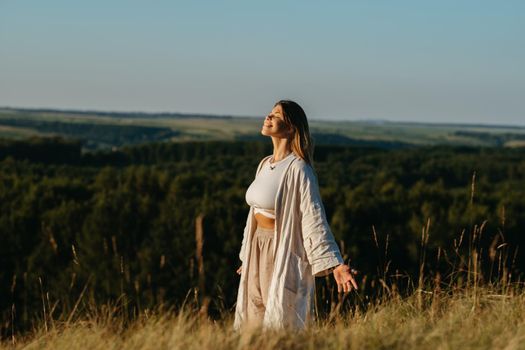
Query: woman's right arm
x,y
244,238
246,227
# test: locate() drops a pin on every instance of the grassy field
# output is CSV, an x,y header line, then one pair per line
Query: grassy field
x,y
470,318
17,123
462,310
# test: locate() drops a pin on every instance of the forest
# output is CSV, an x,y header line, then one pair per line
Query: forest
x,y
113,225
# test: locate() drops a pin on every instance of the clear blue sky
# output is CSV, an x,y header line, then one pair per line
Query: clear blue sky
x,y
433,61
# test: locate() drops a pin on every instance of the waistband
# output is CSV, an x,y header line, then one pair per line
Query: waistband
x,y
262,231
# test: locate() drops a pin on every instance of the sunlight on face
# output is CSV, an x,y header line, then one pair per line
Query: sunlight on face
x,y
274,124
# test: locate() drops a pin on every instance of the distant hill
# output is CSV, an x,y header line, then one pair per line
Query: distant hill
x,y
106,129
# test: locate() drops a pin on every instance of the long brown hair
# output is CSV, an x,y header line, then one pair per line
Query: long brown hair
x,y
302,142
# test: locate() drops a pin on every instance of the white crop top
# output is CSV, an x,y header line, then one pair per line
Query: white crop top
x,y
263,190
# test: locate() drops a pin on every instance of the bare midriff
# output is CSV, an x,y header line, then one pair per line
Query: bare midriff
x,y
264,221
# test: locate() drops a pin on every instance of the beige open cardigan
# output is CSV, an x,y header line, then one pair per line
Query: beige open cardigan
x,y
304,247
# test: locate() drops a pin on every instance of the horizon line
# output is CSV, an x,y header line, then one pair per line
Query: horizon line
x,y
196,114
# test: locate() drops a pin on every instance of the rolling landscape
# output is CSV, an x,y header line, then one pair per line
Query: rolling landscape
x,y
103,130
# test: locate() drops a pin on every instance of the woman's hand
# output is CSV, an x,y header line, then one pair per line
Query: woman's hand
x,y
239,270
343,277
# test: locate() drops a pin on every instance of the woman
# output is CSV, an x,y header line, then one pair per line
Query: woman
x,y
287,240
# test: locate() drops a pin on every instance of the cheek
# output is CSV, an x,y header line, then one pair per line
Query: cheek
x,y
281,126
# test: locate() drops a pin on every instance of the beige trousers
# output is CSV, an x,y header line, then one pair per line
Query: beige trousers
x,y
259,274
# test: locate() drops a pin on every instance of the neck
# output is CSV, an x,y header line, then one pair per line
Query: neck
x,y
281,149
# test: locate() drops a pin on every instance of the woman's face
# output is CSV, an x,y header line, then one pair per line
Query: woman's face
x,y
274,124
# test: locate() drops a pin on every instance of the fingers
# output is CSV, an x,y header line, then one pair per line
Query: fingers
x,y
344,287
345,280
354,283
347,286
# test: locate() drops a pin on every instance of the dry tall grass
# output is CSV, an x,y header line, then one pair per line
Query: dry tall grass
x,y
437,320
464,310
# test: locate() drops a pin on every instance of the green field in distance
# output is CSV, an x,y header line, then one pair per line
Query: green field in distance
x,y
100,130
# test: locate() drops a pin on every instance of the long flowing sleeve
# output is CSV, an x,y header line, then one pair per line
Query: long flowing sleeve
x,y
244,237
248,220
321,249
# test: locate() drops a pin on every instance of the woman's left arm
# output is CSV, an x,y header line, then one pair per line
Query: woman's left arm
x,y
321,249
